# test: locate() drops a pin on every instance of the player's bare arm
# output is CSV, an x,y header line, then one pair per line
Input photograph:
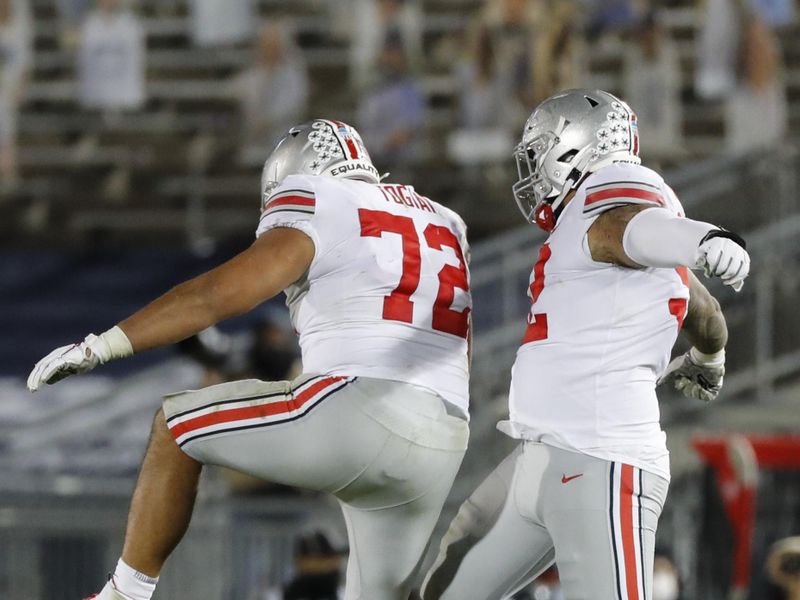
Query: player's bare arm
x,y
274,261
699,372
704,325
644,236
606,234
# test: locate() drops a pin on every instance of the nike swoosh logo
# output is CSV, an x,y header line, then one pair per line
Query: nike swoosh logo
x,y
565,479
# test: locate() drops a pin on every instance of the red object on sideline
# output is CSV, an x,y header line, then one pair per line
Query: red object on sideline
x,y
772,451
739,492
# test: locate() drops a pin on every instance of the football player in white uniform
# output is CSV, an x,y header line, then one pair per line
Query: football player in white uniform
x,y
609,293
377,285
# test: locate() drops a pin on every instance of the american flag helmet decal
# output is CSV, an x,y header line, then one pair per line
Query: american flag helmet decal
x,y
319,147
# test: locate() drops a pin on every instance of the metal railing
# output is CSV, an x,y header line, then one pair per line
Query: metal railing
x,y
61,547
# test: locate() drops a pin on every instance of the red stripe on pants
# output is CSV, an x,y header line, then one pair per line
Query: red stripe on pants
x,y
626,525
253,412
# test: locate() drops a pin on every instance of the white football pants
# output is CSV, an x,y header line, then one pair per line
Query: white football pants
x,y
388,451
596,519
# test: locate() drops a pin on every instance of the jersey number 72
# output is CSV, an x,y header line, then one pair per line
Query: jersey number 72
x,y
398,306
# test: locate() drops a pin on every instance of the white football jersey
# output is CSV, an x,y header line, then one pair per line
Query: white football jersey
x,y
387,293
598,335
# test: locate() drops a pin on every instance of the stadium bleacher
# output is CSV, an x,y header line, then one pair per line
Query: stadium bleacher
x,y
83,171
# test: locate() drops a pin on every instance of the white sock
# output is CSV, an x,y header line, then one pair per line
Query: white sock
x,y
133,584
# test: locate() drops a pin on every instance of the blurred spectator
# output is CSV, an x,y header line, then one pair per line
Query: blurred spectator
x,y
558,53
739,63
392,115
273,354
666,582
775,13
15,61
717,48
485,132
269,353
652,86
318,568
370,22
783,566
522,52
269,592
481,88
212,350
71,15
760,91
111,61
216,23
273,93
536,50
610,15
514,27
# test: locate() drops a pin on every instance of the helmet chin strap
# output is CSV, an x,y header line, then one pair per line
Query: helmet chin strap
x,y
544,216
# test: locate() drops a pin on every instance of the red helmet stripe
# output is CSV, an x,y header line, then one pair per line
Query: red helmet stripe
x,y
351,146
341,129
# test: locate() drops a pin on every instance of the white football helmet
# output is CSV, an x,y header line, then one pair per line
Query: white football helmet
x,y
568,136
319,147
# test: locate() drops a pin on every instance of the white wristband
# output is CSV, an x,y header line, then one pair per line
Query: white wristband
x,y
700,358
110,345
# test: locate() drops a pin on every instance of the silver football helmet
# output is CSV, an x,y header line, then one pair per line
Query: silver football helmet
x,y
568,136
319,147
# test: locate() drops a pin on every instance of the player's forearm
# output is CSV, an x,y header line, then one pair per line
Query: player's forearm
x,y
183,311
705,325
274,261
699,372
708,333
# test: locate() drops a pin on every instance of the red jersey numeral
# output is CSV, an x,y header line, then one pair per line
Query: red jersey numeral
x,y
537,322
450,277
678,306
398,306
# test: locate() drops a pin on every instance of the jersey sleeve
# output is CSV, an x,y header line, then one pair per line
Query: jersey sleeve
x,y
462,238
621,185
673,203
292,204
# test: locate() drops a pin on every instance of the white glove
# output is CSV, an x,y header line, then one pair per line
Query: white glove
x,y
722,254
80,358
696,375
